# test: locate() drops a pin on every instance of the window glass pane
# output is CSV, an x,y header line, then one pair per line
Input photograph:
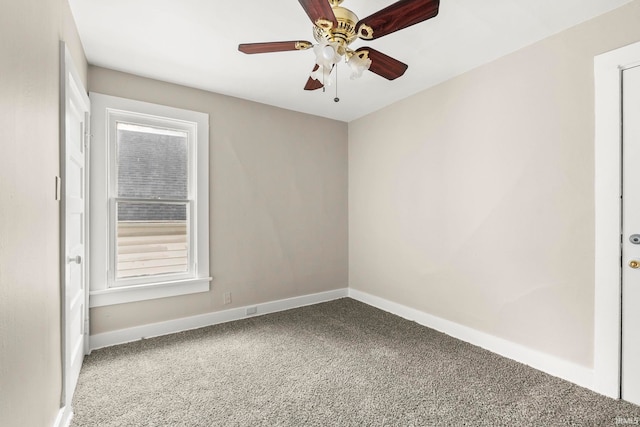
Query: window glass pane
x,y
152,162
152,239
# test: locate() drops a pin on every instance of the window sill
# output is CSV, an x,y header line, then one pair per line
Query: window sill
x,y
148,291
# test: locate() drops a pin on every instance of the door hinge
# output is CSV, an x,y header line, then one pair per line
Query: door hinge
x,y
87,129
58,188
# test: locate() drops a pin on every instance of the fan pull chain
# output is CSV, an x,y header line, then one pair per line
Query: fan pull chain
x,y
324,88
336,99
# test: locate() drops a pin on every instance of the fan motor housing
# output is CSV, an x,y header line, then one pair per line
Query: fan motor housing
x,y
344,34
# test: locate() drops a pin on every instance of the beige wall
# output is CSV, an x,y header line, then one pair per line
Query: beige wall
x,y
278,203
473,200
30,361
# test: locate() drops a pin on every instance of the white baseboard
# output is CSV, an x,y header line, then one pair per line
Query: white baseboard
x,y
552,365
64,417
122,336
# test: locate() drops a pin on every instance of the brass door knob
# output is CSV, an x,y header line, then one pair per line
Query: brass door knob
x,y
634,263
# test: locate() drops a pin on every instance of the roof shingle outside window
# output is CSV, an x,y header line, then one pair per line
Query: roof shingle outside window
x,y
152,166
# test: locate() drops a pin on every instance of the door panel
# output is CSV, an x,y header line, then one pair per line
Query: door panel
x,y
631,243
75,110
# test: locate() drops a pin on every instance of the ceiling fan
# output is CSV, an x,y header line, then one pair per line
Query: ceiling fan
x,y
336,27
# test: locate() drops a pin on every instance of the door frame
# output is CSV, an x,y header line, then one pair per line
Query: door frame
x,y
608,69
67,65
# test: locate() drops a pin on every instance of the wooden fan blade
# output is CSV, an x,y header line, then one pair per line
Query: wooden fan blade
x,y
320,13
384,65
399,15
313,84
267,47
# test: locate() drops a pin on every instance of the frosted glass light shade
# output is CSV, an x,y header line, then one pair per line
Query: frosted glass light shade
x,y
358,66
323,75
326,57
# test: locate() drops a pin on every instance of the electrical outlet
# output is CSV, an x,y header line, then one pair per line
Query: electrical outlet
x,y
227,298
251,310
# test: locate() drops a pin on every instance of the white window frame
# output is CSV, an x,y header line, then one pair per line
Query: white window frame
x,y
104,288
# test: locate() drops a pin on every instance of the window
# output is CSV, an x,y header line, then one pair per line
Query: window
x,y
149,201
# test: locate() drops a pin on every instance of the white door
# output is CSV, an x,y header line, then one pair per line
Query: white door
x,y
631,236
75,111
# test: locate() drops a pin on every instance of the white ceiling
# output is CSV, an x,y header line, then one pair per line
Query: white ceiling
x,y
194,43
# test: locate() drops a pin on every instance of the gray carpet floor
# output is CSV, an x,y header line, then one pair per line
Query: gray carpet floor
x,y
340,363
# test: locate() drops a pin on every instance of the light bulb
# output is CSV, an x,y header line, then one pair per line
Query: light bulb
x,y
328,53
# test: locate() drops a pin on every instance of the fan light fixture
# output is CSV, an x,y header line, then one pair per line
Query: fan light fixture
x,y
358,64
333,42
328,56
